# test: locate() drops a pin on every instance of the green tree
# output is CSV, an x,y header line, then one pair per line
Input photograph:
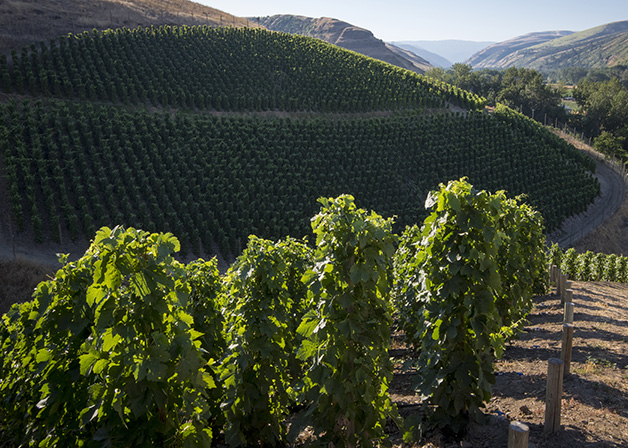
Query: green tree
x,y
610,144
604,107
526,88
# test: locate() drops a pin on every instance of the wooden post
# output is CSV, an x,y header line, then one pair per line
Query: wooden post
x,y
553,395
565,352
569,295
553,269
561,284
566,287
568,316
518,435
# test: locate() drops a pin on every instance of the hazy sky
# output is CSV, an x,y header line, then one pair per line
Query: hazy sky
x,y
478,20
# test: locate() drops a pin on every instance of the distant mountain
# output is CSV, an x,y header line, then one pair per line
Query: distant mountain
x,y
347,36
433,58
23,23
452,50
501,55
602,46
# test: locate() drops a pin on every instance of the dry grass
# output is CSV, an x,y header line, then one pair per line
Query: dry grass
x,y
23,22
611,237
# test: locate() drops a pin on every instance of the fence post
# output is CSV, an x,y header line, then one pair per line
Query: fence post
x,y
566,287
561,290
553,395
518,435
569,297
567,345
553,274
569,308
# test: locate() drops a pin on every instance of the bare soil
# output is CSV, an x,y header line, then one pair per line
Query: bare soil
x,y
595,393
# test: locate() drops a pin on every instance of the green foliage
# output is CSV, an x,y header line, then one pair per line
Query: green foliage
x,y
205,307
604,106
519,88
105,354
264,305
555,255
463,283
521,259
612,145
127,346
236,69
568,263
175,172
589,266
604,114
347,330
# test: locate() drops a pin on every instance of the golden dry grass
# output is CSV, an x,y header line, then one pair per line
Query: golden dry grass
x,y
23,22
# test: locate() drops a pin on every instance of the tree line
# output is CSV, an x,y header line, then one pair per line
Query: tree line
x,y
601,96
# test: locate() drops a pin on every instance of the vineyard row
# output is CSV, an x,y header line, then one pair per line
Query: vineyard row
x,y
73,167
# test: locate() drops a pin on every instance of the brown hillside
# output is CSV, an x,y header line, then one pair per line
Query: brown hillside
x,y
347,36
23,22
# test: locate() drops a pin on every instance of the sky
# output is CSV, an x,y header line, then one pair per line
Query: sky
x,y
475,20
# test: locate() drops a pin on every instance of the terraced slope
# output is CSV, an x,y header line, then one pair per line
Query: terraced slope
x,y
168,129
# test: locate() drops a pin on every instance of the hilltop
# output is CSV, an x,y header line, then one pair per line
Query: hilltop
x,y
347,36
25,22
602,46
214,134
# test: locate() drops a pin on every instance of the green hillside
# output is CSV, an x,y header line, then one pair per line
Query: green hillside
x,y
214,134
502,54
602,46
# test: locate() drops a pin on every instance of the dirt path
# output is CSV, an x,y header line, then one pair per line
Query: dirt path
x,y
595,393
613,185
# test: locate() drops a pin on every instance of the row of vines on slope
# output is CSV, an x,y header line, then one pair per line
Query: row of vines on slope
x,y
590,266
227,69
72,168
128,346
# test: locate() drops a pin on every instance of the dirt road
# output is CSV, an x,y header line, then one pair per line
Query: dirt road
x,y
613,183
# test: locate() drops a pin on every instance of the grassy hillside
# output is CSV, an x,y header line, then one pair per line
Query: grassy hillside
x,y
502,54
24,22
346,36
214,134
602,46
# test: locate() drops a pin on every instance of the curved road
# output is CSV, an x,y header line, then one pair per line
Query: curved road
x,y
613,185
